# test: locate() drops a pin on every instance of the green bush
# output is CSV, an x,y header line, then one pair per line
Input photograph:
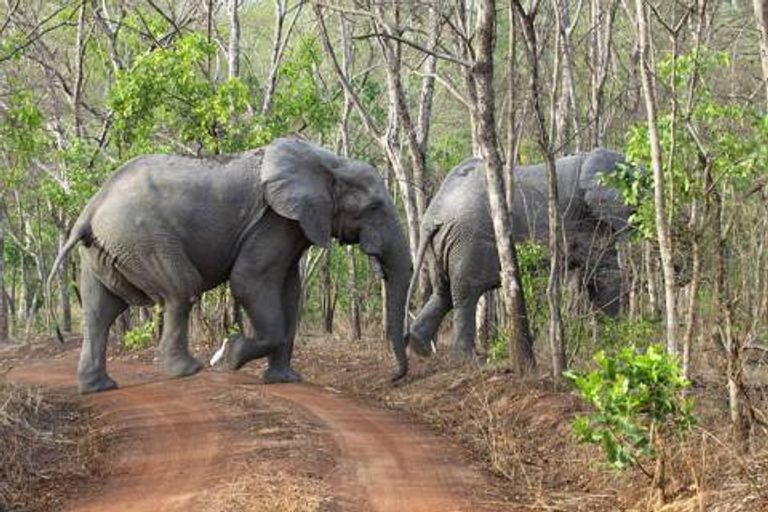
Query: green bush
x,y
139,337
638,404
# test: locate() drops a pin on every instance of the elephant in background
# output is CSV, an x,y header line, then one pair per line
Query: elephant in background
x,y
457,238
164,229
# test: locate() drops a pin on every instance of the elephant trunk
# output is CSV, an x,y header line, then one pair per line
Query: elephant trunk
x,y
396,263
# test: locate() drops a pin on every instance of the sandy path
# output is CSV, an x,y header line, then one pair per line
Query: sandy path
x,y
172,442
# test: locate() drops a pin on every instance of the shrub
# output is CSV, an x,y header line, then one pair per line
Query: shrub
x,y
639,406
139,337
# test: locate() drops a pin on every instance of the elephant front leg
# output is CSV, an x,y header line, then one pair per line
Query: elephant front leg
x,y
263,304
173,344
279,369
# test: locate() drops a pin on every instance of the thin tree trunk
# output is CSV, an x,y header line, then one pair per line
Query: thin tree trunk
x,y
761,18
483,110
690,320
554,285
662,224
277,44
233,55
77,89
602,38
3,305
740,423
512,131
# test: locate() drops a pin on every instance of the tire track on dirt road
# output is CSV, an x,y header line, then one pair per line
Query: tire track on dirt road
x,y
172,441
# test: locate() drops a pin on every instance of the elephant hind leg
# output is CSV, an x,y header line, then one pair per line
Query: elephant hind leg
x,y
100,309
464,325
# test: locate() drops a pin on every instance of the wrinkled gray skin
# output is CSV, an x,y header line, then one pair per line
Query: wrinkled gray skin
x,y
164,229
459,245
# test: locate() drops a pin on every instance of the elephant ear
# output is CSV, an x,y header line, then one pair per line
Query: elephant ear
x,y
297,181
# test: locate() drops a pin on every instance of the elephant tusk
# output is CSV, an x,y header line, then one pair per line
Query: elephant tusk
x,y
219,354
433,346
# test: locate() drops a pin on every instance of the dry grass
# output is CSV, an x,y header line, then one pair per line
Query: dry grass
x,y
283,466
521,431
255,490
46,445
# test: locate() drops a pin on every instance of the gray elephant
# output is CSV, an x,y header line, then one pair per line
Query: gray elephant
x,y
457,238
164,229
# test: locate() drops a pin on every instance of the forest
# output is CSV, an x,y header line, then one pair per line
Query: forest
x,y
670,387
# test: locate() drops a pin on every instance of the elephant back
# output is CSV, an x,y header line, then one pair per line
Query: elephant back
x,y
458,196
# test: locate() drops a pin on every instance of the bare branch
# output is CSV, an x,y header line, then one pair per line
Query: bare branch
x,y
417,46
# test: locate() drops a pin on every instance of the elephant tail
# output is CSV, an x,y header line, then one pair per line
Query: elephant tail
x,y
79,232
426,239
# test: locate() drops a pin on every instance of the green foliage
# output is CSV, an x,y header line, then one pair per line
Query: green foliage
x,y
615,333
732,133
167,88
301,101
531,257
637,401
22,136
140,337
449,149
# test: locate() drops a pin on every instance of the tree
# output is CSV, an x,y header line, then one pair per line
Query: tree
x,y
662,221
482,74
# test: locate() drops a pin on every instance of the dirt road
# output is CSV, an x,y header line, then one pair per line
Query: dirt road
x,y
174,441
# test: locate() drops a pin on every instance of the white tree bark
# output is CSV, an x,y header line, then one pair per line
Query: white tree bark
x,y
482,74
233,55
662,223
761,18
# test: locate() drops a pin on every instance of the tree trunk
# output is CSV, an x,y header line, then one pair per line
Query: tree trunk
x,y
761,17
3,305
662,223
77,88
233,55
601,41
483,111
693,292
554,285
740,419
277,50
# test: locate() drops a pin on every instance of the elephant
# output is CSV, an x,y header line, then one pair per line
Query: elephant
x,y
164,229
457,239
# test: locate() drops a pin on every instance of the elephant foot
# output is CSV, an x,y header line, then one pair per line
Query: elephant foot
x,y
467,355
101,382
182,365
419,346
285,375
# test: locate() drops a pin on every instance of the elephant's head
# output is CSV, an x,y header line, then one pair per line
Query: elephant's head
x,y
606,204
333,196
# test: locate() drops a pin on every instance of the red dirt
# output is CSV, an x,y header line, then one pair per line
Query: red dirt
x,y
174,441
